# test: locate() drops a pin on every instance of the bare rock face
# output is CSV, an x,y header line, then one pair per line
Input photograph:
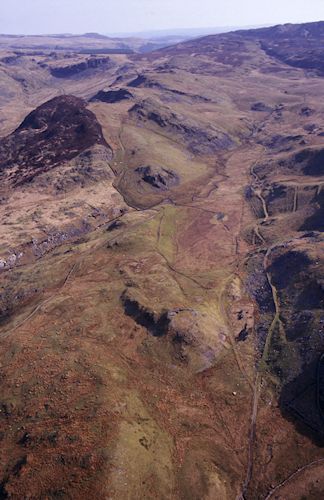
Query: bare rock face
x,y
55,132
139,81
180,329
260,106
70,70
112,96
282,143
200,140
159,178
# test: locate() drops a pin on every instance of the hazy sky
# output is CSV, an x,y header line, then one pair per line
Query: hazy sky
x,y
108,16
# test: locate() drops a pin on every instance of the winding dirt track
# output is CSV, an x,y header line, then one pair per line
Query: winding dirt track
x,y
39,306
292,476
256,384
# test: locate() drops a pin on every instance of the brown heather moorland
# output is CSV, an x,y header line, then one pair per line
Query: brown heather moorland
x,y
162,270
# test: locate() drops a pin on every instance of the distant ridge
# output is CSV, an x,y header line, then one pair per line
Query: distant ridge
x,y
183,32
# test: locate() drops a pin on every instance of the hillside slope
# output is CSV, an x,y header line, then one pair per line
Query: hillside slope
x,y
162,271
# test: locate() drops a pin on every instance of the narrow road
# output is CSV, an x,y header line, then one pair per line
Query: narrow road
x,y
293,475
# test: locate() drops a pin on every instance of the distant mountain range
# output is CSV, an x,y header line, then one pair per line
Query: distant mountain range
x,y
142,42
181,32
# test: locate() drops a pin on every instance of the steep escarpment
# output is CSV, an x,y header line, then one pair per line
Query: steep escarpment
x,y
199,139
69,70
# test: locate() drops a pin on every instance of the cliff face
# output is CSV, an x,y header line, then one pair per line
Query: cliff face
x,y
69,70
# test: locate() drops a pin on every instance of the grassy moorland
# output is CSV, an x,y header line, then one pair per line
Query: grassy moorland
x,y
162,272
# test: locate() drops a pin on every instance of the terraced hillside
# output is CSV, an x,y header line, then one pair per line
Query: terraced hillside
x,y
162,271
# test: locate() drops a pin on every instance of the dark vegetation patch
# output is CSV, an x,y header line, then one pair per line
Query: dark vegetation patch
x,y
276,191
248,192
19,465
296,45
279,199
320,387
3,491
288,267
295,348
259,289
315,222
312,160
55,132
311,297
299,325
302,402
281,357
10,60
300,289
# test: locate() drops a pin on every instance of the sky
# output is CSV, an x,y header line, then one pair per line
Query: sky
x,y
111,16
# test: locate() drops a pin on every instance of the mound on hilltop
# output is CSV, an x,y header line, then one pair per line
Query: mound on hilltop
x,y
55,132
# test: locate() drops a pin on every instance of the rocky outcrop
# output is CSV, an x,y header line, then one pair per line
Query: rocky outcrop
x,y
156,324
281,143
73,69
145,81
55,132
89,167
12,59
112,96
308,161
180,330
199,138
158,177
261,106
306,111
141,81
